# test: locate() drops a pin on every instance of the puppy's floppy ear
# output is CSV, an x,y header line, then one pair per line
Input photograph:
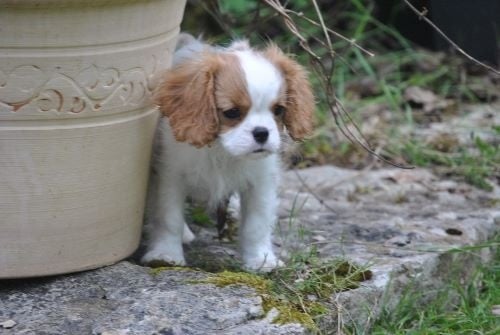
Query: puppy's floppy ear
x,y
299,114
186,96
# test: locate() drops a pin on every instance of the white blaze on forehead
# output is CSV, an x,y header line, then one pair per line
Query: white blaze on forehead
x,y
263,80
264,85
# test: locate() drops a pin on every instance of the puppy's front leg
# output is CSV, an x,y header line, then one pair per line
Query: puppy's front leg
x,y
166,228
258,208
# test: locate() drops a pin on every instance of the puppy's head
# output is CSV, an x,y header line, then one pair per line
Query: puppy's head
x,y
241,97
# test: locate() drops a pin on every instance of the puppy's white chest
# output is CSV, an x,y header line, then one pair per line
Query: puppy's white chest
x,y
211,183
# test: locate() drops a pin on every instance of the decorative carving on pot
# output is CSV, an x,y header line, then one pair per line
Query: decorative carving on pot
x,y
28,89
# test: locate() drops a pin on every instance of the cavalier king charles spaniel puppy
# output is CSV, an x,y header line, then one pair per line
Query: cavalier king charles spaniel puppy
x,y
225,112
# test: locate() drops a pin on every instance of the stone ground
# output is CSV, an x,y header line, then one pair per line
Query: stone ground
x,y
406,226
402,224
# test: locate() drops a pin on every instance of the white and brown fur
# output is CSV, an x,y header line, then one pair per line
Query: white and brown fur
x,y
206,153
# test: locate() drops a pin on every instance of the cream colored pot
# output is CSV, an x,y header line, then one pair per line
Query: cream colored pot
x,y
76,127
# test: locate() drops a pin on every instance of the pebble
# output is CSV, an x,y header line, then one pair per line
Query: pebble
x,y
8,324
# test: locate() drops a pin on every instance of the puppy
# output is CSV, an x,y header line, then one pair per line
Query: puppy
x,y
225,112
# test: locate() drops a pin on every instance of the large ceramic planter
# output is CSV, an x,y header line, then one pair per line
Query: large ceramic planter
x,y
76,127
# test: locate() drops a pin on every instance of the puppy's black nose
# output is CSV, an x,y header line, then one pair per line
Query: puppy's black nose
x,y
260,134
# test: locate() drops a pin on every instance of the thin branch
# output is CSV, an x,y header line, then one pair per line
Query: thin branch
x,y
340,115
213,12
323,27
290,24
423,16
310,190
352,42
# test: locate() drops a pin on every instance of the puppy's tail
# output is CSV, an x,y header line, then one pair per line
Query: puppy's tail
x,y
185,39
188,47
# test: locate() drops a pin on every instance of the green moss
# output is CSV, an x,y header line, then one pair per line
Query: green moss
x,y
298,292
319,278
199,216
156,270
288,313
495,202
401,198
226,278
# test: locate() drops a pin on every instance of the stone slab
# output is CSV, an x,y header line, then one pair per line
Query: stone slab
x,y
406,226
129,299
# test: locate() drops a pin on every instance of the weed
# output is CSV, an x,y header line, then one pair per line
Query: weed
x,y
362,82
459,309
199,216
300,290
155,271
473,165
401,198
309,276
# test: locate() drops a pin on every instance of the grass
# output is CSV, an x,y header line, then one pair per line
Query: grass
x,y
382,81
373,90
362,82
473,165
365,83
300,291
459,309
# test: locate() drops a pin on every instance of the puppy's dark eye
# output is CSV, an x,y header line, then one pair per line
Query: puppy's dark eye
x,y
279,110
233,113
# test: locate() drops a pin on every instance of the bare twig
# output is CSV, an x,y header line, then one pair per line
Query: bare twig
x,y
311,191
341,116
339,113
351,41
423,16
212,9
290,24
297,294
323,26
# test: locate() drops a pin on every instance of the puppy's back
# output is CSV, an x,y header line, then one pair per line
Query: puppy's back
x,y
188,47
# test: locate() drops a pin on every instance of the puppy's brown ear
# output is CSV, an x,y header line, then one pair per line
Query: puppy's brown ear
x,y
186,96
299,114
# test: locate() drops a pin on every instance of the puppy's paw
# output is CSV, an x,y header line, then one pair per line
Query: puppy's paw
x,y
162,257
265,263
